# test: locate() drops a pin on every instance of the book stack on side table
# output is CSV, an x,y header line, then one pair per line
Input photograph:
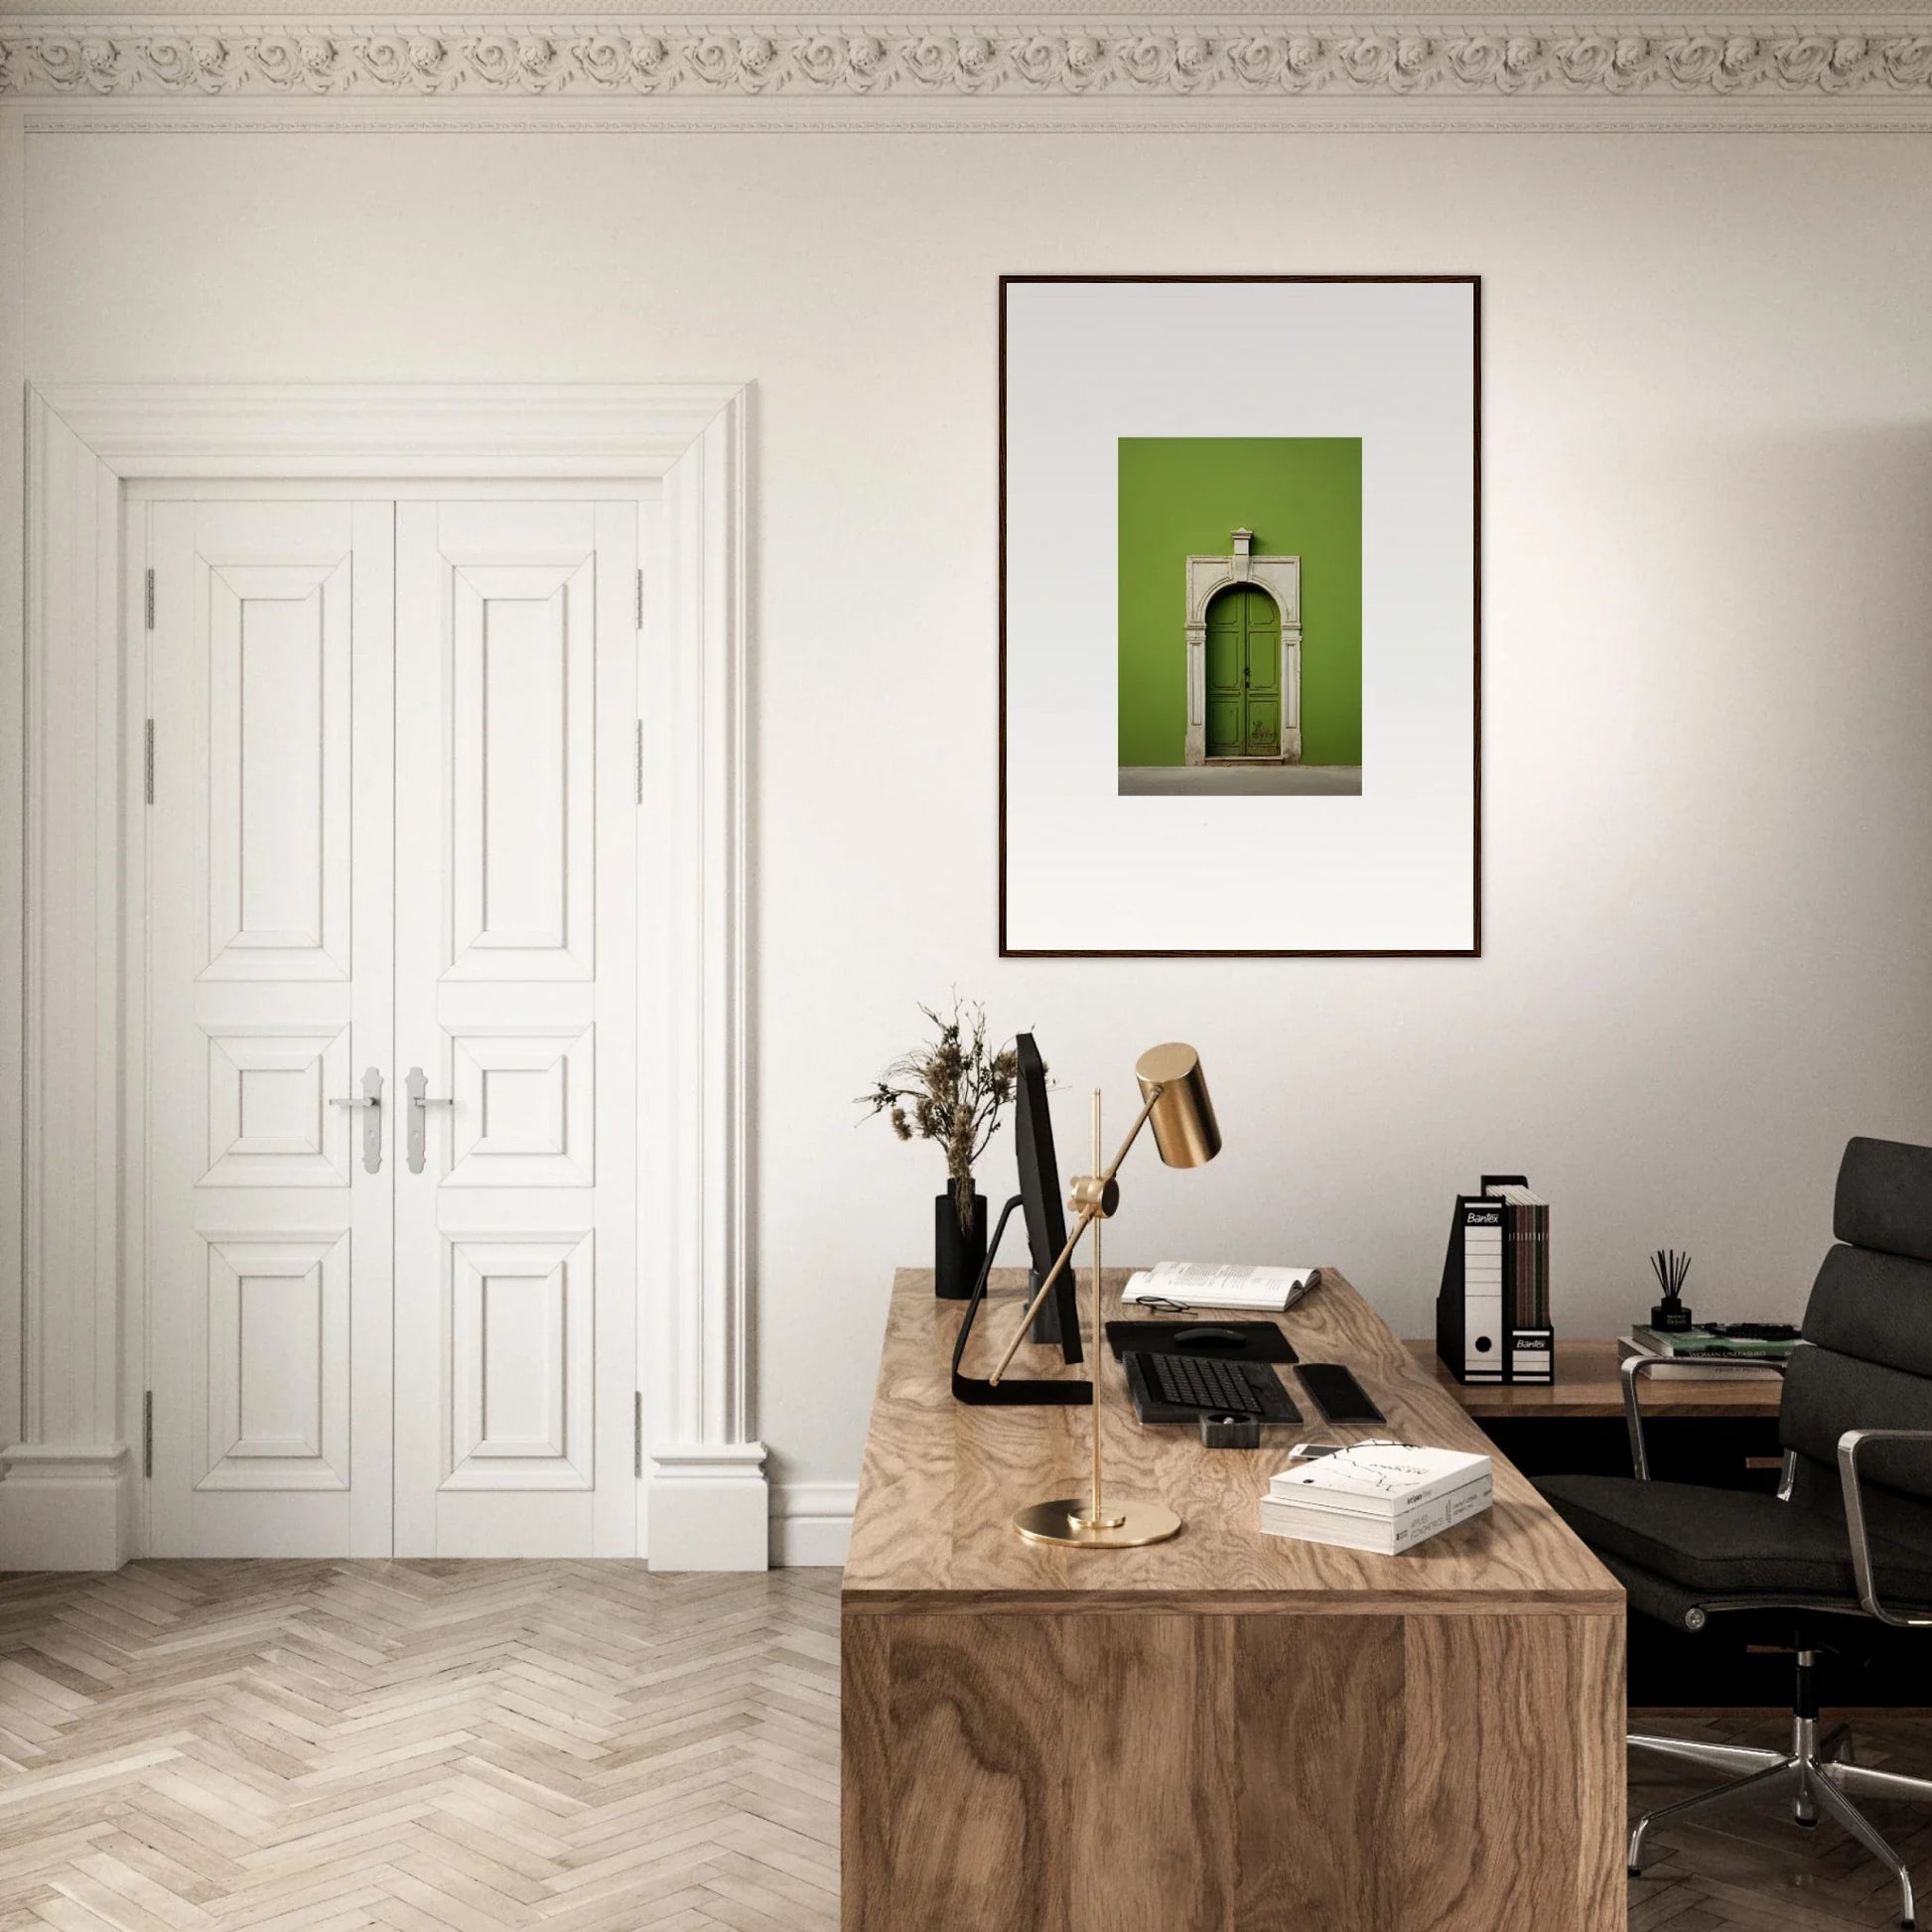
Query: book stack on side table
x,y
1689,1353
1380,1497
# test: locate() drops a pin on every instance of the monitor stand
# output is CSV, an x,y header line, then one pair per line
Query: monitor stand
x,y
1010,1390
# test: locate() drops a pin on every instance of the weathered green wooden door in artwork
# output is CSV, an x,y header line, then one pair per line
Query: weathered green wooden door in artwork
x,y
1244,674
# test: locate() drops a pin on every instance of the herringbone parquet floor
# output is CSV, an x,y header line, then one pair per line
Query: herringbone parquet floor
x,y
429,1747
463,1747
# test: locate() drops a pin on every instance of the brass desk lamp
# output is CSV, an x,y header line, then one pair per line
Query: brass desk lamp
x,y
1174,1100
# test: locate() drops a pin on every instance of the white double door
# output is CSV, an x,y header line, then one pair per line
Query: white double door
x,y
391,858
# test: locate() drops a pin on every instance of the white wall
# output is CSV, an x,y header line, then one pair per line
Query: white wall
x,y
1706,653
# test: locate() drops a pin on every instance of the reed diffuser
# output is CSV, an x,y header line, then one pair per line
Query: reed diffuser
x,y
1670,1314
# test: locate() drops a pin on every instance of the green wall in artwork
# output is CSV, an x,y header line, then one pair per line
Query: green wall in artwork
x,y
1180,497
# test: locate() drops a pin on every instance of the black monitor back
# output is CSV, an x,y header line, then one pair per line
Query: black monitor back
x,y
1040,1193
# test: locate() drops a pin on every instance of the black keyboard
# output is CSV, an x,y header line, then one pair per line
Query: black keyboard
x,y
1188,1386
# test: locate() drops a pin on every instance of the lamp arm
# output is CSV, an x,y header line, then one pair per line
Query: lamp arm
x,y
1054,1273
1133,1134
1088,1216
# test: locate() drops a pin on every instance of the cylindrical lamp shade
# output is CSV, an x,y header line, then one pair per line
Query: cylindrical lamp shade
x,y
1185,1128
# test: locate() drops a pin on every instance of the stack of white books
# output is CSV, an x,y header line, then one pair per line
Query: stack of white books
x,y
1380,1497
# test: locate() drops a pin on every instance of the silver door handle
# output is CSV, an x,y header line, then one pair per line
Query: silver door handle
x,y
372,1098
421,1100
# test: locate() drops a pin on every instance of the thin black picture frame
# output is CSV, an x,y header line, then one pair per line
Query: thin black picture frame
x,y
1475,949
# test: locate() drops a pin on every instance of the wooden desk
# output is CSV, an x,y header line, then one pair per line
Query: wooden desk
x,y
1588,1385
1227,1733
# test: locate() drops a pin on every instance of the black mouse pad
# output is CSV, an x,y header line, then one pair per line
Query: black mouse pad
x,y
1233,1341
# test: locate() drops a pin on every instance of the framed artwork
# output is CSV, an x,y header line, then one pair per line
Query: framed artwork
x,y
1240,615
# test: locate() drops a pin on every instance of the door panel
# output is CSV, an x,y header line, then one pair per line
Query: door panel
x,y
1223,650
278,770
515,1243
269,992
521,1394
525,1104
521,804
277,1414
1244,682
1261,641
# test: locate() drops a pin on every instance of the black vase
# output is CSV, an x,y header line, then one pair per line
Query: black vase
x,y
958,1255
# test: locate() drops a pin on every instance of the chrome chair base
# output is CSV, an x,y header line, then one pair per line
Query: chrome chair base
x,y
1818,1775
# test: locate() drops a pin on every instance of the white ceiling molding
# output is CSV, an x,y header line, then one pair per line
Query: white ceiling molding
x,y
1828,71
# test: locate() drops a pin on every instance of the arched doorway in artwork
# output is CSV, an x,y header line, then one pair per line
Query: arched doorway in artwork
x,y
1243,664
1244,657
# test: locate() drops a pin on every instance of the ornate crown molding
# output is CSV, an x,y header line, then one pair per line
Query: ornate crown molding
x,y
618,60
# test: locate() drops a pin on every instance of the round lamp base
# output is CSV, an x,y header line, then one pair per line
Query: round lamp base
x,y
1130,1525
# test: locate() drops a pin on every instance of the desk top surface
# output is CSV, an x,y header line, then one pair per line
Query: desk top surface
x,y
943,1479
1588,1384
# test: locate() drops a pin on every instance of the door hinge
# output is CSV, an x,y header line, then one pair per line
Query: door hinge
x,y
640,761
147,1433
640,599
147,761
149,596
637,1432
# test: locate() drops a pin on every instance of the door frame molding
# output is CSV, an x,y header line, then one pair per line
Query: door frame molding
x,y
69,1495
1280,578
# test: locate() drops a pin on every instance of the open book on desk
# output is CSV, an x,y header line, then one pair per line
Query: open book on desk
x,y
1217,1284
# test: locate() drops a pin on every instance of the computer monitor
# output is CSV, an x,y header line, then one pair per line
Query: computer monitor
x,y
1040,1196
1038,1200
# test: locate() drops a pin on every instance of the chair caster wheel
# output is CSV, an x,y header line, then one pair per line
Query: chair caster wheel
x,y
1809,1824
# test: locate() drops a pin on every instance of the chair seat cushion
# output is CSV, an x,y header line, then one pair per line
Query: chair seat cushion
x,y
1728,1541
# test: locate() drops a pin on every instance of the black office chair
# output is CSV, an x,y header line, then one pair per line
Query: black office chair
x,y
1849,1536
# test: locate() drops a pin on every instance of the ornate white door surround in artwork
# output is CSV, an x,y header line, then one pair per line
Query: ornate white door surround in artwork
x,y
1280,578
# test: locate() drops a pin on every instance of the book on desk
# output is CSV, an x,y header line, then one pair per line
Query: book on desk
x,y
1381,1496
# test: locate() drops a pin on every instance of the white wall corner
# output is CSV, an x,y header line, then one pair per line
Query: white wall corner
x,y
66,1508
67,1498
708,1507
812,1523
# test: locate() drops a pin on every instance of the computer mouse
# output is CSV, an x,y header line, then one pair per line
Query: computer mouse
x,y
1208,1337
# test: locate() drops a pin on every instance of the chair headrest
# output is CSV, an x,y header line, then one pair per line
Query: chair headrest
x,y
1884,1197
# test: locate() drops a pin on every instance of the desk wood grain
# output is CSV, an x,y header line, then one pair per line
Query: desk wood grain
x,y
940,1482
1228,1733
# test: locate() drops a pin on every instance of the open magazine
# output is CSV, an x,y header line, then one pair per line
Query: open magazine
x,y
1220,1285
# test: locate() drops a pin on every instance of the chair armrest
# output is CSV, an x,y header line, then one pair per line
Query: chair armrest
x,y
1849,1445
1634,1367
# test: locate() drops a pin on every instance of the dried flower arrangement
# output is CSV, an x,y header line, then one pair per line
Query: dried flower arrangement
x,y
951,1090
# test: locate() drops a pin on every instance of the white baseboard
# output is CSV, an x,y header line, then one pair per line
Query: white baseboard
x,y
708,1507
64,1507
812,1523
